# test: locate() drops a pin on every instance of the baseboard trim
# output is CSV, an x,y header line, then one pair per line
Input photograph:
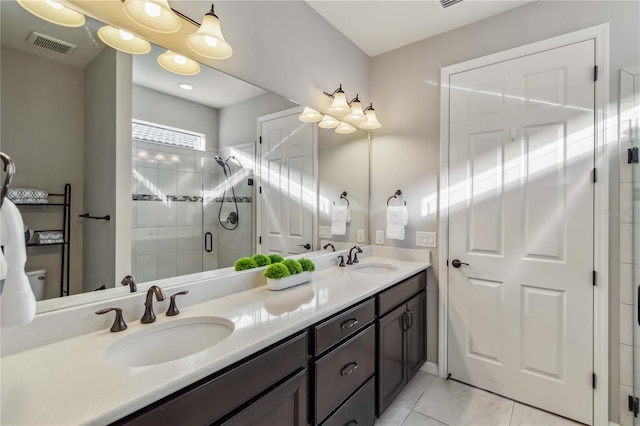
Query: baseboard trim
x,y
430,367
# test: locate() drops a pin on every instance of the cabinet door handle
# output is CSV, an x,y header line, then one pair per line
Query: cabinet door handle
x,y
352,422
404,321
410,318
349,323
349,369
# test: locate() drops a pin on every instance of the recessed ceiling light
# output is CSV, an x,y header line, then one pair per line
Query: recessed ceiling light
x,y
186,86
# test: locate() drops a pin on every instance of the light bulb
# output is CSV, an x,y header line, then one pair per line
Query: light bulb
x,y
211,41
125,35
155,15
54,4
179,59
178,64
152,9
328,123
345,128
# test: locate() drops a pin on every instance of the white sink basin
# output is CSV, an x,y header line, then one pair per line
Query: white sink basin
x,y
168,341
374,268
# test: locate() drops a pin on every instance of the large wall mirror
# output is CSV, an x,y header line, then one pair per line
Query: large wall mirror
x,y
171,159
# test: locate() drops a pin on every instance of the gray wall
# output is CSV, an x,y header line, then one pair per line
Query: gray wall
x,y
405,88
42,130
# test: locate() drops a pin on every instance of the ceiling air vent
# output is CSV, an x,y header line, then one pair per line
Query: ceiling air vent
x,y
50,43
448,3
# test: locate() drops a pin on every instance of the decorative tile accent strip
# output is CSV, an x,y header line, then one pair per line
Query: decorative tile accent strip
x,y
177,198
237,199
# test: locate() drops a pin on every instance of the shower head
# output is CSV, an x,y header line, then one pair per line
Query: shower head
x,y
220,161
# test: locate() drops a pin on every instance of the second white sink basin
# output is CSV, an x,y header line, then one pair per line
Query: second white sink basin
x,y
168,341
374,268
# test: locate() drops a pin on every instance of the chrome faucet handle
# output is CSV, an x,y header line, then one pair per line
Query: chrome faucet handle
x,y
173,308
341,261
118,323
131,282
150,316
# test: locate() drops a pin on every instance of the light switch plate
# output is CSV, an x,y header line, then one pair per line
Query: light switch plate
x,y
360,236
324,231
379,237
425,239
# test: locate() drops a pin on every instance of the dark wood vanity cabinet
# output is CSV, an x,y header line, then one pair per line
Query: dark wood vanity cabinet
x,y
402,345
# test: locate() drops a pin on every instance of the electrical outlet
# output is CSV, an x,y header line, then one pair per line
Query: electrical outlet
x,y
360,236
324,231
379,237
425,239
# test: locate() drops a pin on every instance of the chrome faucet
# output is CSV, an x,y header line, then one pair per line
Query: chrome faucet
x,y
131,282
149,316
354,259
329,245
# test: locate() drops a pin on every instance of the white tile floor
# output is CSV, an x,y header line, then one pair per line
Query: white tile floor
x,y
431,401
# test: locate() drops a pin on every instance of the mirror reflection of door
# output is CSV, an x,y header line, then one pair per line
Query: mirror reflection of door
x,y
288,182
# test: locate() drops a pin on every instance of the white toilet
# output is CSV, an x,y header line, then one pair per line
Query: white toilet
x,y
37,280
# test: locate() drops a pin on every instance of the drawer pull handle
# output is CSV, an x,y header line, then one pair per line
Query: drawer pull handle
x,y
352,422
349,368
349,323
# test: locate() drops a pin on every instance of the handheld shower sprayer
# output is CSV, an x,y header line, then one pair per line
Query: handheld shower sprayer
x,y
233,216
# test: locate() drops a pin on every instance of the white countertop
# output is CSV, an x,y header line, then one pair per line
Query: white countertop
x,y
68,382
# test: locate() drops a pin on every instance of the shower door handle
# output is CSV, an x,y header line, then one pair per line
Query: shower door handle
x,y
208,242
307,246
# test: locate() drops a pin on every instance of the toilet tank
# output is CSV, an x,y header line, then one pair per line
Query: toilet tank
x,y
37,280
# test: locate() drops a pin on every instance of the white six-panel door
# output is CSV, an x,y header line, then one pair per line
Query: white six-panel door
x,y
521,215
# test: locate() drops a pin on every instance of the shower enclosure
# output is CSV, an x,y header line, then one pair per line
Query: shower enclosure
x,y
629,215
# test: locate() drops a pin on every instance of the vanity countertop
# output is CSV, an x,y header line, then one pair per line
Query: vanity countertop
x,y
68,382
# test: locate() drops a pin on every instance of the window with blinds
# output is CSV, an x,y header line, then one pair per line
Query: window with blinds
x,y
157,133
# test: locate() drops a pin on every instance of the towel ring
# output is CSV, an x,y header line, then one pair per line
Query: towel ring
x,y
397,193
343,196
10,169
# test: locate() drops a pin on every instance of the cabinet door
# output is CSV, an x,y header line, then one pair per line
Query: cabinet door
x,y
391,370
286,405
416,334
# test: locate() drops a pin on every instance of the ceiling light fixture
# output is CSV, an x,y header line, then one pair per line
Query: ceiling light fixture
x,y
328,122
123,40
345,128
208,41
310,116
372,122
356,115
339,105
153,15
178,64
186,86
54,12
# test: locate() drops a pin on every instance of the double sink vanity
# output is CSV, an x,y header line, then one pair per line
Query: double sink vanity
x,y
334,351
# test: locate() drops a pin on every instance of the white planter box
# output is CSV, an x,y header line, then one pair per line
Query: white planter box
x,y
289,281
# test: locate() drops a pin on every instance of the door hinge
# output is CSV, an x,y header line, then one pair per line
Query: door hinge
x,y
594,278
593,380
634,405
595,175
632,155
595,73
259,240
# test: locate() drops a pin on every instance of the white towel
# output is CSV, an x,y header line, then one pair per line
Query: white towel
x,y
340,216
17,303
397,218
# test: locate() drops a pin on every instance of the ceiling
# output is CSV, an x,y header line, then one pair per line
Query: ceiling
x,y
379,26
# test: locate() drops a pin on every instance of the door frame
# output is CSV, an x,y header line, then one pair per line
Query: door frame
x,y
258,175
604,143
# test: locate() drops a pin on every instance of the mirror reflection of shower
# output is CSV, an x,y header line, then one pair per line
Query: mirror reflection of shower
x,y
233,219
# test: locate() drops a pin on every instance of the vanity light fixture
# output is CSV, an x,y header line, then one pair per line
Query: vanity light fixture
x,y
310,116
339,105
345,128
328,122
155,15
208,41
186,86
178,64
123,40
372,122
356,115
53,12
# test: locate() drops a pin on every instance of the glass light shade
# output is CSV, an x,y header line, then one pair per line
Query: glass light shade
x,y
328,122
208,41
153,15
53,12
310,116
178,64
339,105
123,40
356,115
372,122
345,128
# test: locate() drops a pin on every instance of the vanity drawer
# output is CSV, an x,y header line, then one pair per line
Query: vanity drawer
x,y
343,370
208,400
342,326
358,410
400,292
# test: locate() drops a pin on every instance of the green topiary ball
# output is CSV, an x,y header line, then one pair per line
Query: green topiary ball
x,y
293,265
275,258
276,271
262,260
306,264
245,263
